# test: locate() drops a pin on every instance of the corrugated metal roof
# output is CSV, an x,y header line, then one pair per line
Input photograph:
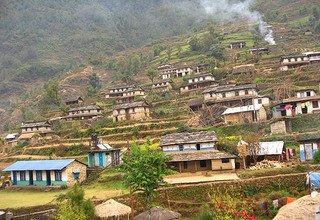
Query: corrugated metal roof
x,y
39,165
271,148
247,108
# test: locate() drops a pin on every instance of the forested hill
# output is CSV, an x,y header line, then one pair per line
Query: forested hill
x,y
42,37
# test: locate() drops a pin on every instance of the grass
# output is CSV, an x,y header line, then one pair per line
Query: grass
x,y
107,185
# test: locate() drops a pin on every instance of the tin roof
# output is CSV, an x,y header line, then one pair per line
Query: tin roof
x,y
39,165
185,138
240,109
271,148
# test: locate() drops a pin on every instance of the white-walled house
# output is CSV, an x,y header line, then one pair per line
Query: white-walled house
x,y
198,81
197,151
305,102
83,113
47,172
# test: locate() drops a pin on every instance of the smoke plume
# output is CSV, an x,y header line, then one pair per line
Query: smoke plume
x,y
231,11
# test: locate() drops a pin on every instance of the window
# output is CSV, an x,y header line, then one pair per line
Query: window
x,y
237,93
58,175
203,163
76,175
185,165
22,175
225,160
198,146
315,104
259,101
223,95
180,147
39,175
246,92
308,93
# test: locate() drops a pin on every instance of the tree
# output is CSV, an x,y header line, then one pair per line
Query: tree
x,y
144,170
51,95
152,74
73,205
317,28
195,44
316,13
253,146
94,85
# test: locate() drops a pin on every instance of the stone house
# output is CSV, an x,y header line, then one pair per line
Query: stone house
x,y
162,86
280,126
237,45
202,67
244,69
291,62
28,130
230,95
73,101
245,114
103,155
193,152
198,82
305,102
84,113
131,111
47,172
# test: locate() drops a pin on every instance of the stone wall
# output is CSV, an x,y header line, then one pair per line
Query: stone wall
x,y
76,166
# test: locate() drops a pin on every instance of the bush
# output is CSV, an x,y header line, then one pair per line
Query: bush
x,y
316,157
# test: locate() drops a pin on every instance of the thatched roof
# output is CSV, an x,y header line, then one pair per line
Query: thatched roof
x,y
158,213
187,138
112,208
199,155
195,102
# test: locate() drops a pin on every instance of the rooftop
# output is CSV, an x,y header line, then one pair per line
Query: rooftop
x,y
200,75
247,108
36,124
86,108
199,155
39,165
231,87
296,99
131,105
185,138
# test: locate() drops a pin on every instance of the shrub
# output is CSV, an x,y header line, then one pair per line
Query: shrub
x,y
316,157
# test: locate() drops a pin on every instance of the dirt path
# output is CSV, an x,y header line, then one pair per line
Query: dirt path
x,y
200,178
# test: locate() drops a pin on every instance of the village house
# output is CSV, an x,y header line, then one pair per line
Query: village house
x,y
195,104
164,67
308,147
28,130
243,69
198,81
73,101
103,155
291,62
305,102
193,152
237,45
131,111
245,114
314,57
162,86
202,67
124,94
230,95
258,51
176,72
47,172
84,113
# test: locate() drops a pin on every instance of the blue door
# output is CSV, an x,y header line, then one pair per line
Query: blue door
x,y
14,174
100,159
